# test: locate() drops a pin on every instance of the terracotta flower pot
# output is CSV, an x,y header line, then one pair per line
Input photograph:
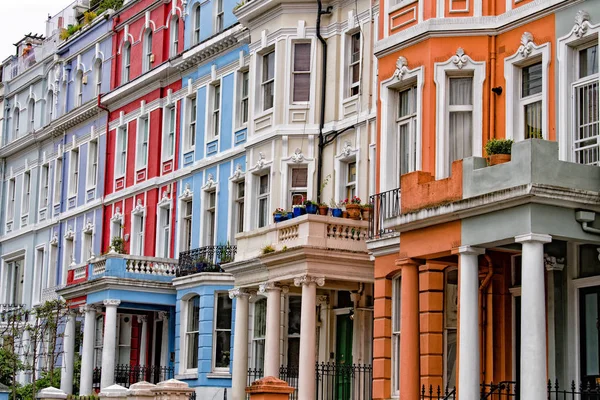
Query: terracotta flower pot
x,y
353,211
365,213
496,159
323,210
344,214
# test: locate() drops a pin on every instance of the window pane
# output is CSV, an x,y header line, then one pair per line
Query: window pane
x,y
451,358
268,96
223,347
302,57
262,212
299,177
268,66
533,120
352,172
301,87
588,61
407,102
193,313
404,147
260,318
451,299
531,80
241,189
223,311
461,91
192,350
355,56
295,306
264,184
460,135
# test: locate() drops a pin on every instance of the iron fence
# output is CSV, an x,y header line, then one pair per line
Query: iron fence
x,y
343,381
96,377
290,375
205,259
386,205
437,393
127,375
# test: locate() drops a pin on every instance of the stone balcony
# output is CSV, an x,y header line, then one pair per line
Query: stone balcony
x,y
310,244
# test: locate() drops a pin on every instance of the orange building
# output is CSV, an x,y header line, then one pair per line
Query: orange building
x,y
487,273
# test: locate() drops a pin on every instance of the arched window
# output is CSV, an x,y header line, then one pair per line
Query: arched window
x,y
191,332
79,88
126,60
196,24
174,36
98,76
16,122
31,115
147,50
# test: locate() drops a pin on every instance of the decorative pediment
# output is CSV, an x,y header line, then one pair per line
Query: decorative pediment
x,y
88,228
527,45
582,23
238,173
70,235
460,58
187,193
139,208
401,68
165,200
210,182
298,157
54,239
117,215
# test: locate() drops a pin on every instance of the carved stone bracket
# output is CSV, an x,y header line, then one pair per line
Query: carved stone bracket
x,y
582,23
401,68
527,45
460,58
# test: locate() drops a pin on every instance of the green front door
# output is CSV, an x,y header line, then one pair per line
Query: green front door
x,y
343,357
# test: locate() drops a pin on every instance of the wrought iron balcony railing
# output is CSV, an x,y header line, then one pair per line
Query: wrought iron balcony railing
x,y
205,259
386,205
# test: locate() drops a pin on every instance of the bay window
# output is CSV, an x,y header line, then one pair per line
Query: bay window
x,y
301,72
268,80
192,332
263,200
222,332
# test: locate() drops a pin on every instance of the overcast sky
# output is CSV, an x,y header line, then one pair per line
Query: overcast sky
x,y
18,17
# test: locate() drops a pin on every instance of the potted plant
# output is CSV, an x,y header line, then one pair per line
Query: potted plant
x,y
311,207
323,209
290,214
336,209
366,211
353,207
498,151
279,215
299,209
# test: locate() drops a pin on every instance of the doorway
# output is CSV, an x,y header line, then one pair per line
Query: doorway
x,y
343,356
589,331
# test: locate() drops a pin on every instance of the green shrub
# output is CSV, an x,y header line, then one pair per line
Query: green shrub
x,y
498,146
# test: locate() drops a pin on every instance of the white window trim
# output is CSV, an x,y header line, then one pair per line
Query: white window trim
x,y
347,155
196,28
90,177
528,53
237,177
458,65
189,117
217,14
73,186
183,336
163,205
88,230
126,68
348,60
25,198
50,279
58,183
12,206
309,72
286,165
186,195
138,211
49,105
214,368
259,103
31,106
148,46
210,186
67,259
138,154
402,77
182,228
174,39
582,32
79,87
44,205
125,129
445,330
237,106
166,124
117,218
210,110
98,76
252,183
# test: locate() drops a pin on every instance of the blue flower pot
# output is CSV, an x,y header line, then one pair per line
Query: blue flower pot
x,y
298,211
278,218
290,215
336,212
312,209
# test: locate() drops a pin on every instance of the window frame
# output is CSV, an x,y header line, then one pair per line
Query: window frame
x,y
148,55
243,92
216,98
16,122
256,340
347,182
169,130
122,132
266,196
11,200
98,76
58,179
87,245
138,238
196,33
186,339
219,17
210,217
295,190
26,195
49,105
142,142
239,203
44,186
92,165
191,123
163,230
447,329
174,30
74,166
185,243
264,83
215,330
301,72
78,88
31,113
350,85
459,65
126,61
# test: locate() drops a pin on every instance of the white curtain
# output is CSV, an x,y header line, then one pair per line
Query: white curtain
x,y
460,124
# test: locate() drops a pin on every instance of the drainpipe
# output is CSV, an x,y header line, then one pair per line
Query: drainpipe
x,y
586,219
106,151
492,102
321,12
483,314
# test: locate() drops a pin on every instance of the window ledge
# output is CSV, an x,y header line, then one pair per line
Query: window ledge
x,y
398,6
187,375
218,375
350,98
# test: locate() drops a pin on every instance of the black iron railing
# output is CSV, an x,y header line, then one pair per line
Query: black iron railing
x,y
127,375
290,375
343,381
499,391
96,378
437,393
386,205
205,259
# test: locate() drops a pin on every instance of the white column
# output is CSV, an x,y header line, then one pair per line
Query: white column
x,y
306,372
240,344
144,339
87,353
323,302
109,343
164,347
533,316
468,336
273,293
68,356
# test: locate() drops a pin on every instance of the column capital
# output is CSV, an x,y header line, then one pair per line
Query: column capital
x,y
142,319
470,250
88,308
163,315
533,237
238,292
308,279
263,288
322,300
111,303
407,262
